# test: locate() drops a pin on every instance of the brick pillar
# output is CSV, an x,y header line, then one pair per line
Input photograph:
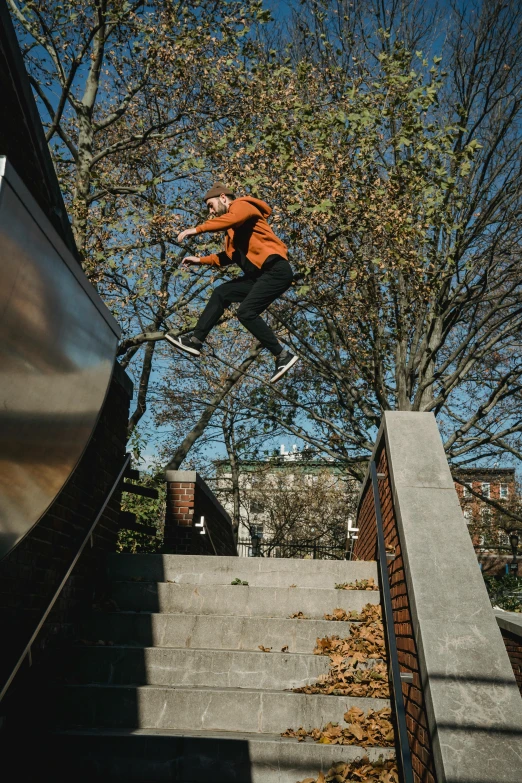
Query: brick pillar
x,y
181,487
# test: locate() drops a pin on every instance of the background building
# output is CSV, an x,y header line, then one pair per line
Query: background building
x,y
488,526
298,503
293,500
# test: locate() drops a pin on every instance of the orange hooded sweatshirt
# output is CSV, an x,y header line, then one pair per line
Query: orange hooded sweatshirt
x,y
247,234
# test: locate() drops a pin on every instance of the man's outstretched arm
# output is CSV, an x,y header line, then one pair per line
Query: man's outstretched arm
x,y
238,213
214,259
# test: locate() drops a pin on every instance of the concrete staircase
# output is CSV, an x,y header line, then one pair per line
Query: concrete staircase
x,y
180,690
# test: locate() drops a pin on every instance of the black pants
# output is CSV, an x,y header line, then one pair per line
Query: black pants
x,y
255,294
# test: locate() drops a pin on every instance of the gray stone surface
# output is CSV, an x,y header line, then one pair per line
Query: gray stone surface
x,y
237,599
158,756
258,571
416,454
214,709
186,695
207,668
181,475
210,631
509,621
474,707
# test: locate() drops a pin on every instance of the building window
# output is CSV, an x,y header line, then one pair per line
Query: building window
x,y
256,507
503,538
504,491
486,487
466,490
485,513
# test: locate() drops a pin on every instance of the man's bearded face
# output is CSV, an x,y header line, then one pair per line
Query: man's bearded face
x,y
216,207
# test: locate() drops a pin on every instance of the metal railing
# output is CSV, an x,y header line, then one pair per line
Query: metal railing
x,y
314,550
395,675
27,649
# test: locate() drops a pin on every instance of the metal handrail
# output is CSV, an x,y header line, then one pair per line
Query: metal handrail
x,y
395,672
27,649
310,546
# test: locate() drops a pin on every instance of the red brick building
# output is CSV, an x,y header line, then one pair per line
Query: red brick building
x,y
487,525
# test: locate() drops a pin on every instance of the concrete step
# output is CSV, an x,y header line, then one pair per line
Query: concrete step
x,y
208,668
200,709
213,632
155,756
237,599
258,571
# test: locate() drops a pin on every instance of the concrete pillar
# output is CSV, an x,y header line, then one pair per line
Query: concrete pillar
x,y
196,523
473,706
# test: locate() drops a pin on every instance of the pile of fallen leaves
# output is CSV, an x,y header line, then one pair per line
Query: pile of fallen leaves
x,y
359,584
350,673
369,612
361,771
373,728
344,679
366,640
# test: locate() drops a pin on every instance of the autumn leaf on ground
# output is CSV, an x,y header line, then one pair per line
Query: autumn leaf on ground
x,y
298,616
341,615
285,648
357,663
369,612
373,728
361,771
238,581
265,649
359,584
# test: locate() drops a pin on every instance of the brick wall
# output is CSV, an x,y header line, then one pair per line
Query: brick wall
x,y
31,573
179,533
488,533
189,499
514,650
366,549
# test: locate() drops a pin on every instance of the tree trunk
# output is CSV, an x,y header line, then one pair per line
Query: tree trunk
x,y
198,430
80,211
427,396
141,403
228,434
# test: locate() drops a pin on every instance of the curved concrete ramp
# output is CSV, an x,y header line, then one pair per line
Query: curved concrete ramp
x,y
57,348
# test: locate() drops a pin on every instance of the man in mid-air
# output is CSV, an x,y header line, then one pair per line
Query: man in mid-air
x,y
251,244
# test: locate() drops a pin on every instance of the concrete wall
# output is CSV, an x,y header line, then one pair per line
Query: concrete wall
x,y
457,655
189,500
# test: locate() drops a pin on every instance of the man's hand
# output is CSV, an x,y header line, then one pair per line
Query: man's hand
x,y
190,260
189,232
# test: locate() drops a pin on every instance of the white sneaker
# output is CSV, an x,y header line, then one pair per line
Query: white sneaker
x,y
187,344
284,362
